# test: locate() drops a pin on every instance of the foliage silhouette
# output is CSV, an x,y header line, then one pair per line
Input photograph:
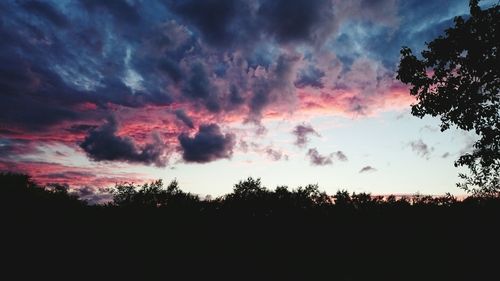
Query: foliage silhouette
x,y
458,79
254,231
21,191
151,195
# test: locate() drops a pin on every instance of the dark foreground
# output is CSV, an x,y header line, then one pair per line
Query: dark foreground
x,y
253,233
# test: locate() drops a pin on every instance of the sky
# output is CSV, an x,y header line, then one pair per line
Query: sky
x,y
211,92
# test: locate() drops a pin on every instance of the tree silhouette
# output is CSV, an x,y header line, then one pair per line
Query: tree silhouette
x,y
311,196
249,188
151,195
18,191
281,233
458,80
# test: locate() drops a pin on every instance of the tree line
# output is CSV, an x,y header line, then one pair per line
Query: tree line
x,y
160,231
248,196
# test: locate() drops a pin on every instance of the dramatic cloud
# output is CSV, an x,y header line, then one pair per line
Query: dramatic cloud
x,y
421,148
164,67
301,133
77,177
310,77
238,22
121,10
181,115
199,88
367,169
218,21
305,20
10,149
317,159
122,54
207,145
102,144
47,11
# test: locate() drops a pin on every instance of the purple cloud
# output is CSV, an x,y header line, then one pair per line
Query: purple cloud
x,y
302,132
209,144
317,159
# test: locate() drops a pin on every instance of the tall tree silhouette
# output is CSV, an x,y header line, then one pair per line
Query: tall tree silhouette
x,y
152,195
458,80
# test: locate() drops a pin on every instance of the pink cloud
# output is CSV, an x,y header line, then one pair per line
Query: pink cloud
x,y
46,172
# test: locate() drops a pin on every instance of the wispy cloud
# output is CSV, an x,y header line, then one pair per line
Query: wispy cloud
x,y
421,148
317,159
367,169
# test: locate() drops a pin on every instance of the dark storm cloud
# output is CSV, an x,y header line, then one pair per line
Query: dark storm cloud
x,y
41,82
367,169
37,116
46,11
235,98
121,10
198,84
310,77
294,20
274,88
64,65
88,64
199,88
181,115
414,22
207,145
81,128
260,98
230,23
317,159
102,144
219,21
302,132
31,96
171,68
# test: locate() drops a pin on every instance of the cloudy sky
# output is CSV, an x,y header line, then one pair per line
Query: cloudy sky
x,y
210,92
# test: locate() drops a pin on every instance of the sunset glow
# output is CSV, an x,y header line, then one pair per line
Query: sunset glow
x,y
210,92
